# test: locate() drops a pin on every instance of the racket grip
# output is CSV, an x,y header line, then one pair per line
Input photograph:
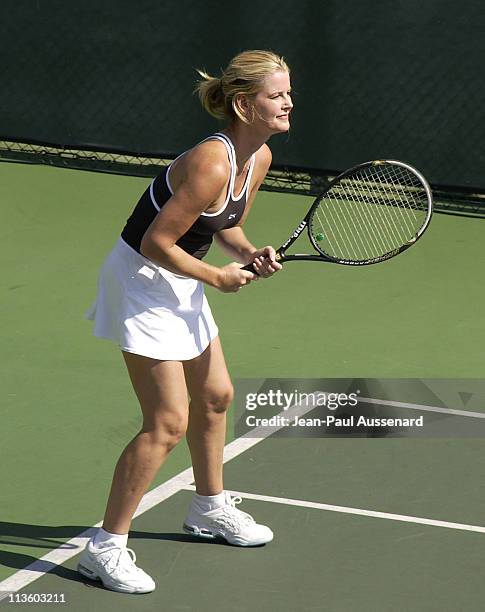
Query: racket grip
x,y
250,268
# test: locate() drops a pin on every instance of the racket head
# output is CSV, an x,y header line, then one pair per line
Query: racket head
x,y
370,213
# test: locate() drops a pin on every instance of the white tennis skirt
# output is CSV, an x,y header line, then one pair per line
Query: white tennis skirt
x,y
150,311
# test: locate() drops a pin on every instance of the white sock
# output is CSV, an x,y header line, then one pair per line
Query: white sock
x,y
103,539
210,502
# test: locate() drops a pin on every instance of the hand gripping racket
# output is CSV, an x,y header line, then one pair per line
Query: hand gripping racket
x,y
366,215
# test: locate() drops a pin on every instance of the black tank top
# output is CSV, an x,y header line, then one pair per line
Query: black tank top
x,y
197,240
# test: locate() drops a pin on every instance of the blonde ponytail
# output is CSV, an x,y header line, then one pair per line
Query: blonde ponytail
x,y
211,95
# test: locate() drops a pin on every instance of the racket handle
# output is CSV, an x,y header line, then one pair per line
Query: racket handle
x,y
250,268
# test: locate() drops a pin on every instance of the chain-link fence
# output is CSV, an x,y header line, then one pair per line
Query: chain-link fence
x,y
372,79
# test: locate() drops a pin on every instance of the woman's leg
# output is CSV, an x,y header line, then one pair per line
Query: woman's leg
x,y
160,387
212,512
161,391
211,393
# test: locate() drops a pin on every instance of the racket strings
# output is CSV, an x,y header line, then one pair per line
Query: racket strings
x,y
370,213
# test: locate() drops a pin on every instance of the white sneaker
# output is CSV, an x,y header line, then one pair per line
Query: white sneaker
x,y
115,567
236,527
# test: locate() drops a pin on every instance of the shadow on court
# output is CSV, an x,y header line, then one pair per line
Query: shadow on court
x,y
51,537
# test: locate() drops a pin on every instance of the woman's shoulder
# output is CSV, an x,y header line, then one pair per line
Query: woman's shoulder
x,y
213,148
263,158
264,153
208,157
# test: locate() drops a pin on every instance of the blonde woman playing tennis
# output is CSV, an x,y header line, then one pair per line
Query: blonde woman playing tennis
x,y
151,303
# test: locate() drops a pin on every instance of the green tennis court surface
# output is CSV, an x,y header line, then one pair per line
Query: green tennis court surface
x,y
68,411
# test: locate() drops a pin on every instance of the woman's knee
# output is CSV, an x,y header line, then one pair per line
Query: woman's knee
x,y
166,432
218,400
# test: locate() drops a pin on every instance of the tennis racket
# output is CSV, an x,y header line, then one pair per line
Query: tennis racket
x,y
366,215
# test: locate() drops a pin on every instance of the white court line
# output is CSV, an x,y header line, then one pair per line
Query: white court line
x,y
360,511
424,408
73,547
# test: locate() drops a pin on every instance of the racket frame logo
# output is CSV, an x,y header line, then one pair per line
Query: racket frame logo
x,y
293,237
